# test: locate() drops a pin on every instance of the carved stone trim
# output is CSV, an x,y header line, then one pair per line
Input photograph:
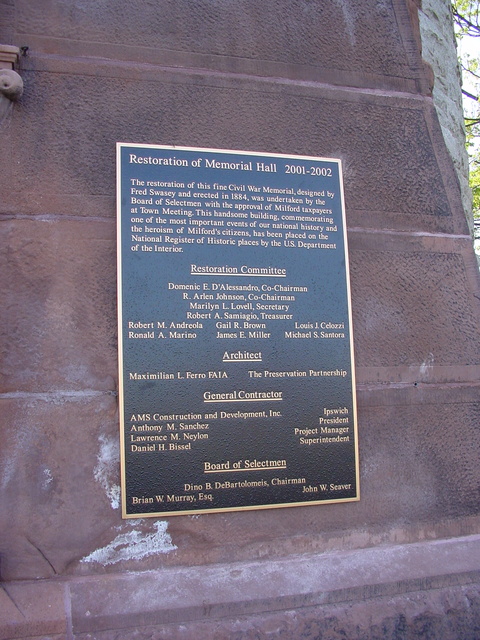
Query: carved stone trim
x,y
8,56
11,84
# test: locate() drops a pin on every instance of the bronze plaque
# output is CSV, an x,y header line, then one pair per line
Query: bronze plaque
x,y
237,384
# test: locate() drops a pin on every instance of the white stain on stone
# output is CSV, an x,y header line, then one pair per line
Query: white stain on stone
x,y
8,468
349,20
107,469
134,545
47,478
23,439
426,365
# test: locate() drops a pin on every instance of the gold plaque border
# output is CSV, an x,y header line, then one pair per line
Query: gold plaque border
x,y
157,514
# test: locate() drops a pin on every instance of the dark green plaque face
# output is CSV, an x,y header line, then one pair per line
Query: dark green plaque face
x,y
237,385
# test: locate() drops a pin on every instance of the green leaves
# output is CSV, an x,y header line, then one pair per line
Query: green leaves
x,y
466,15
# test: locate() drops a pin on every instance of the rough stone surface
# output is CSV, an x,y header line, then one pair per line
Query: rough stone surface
x,y
423,299
58,314
448,614
245,35
255,587
33,610
59,480
247,115
7,10
439,50
428,589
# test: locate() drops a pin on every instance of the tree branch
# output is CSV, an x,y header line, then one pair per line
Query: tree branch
x,y
469,95
464,22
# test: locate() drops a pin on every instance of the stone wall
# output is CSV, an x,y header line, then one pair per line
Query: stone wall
x,y
440,52
331,79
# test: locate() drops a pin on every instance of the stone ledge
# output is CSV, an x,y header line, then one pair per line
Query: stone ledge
x,y
32,609
448,614
198,593
71,51
195,594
